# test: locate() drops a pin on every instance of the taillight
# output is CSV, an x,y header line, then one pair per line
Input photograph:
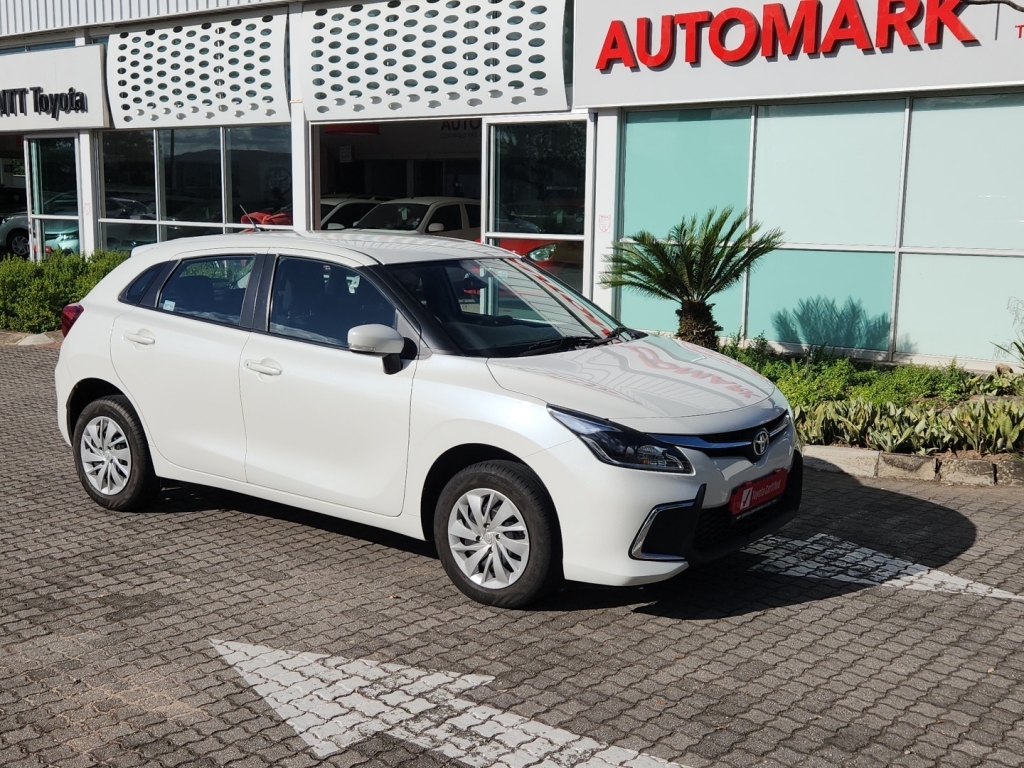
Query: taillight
x,y
68,316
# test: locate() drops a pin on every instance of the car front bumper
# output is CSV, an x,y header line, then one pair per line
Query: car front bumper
x,y
625,527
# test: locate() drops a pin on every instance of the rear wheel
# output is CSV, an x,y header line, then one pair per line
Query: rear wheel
x,y
17,243
112,456
496,534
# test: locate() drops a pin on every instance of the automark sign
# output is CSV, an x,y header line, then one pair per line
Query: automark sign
x,y
671,51
53,90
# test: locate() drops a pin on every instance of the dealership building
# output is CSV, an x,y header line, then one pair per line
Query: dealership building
x,y
881,136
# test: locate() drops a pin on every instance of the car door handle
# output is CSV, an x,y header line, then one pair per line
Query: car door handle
x,y
140,338
265,367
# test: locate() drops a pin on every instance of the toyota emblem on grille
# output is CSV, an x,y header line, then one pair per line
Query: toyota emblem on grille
x,y
760,442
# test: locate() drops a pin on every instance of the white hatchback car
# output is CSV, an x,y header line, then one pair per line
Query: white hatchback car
x,y
441,389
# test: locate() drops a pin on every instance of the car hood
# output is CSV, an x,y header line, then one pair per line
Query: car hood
x,y
650,383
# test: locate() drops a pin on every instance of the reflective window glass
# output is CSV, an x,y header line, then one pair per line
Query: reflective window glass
x,y
449,217
563,260
54,177
680,163
192,179
829,174
964,188
347,215
59,235
129,177
319,301
259,159
502,307
124,237
820,298
208,289
539,177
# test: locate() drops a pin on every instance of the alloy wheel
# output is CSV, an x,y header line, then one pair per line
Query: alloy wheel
x,y
18,245
106,456
488,538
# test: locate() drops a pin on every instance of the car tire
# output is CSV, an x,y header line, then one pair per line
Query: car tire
x,y
497,534
17,243
112,455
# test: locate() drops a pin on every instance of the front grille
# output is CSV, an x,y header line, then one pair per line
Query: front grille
x,y
745,435
736,443
715,526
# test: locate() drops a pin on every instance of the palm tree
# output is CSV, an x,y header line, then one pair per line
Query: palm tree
x,y
697,260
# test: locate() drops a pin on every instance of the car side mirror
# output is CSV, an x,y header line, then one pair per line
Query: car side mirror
x,y
380,340
435,227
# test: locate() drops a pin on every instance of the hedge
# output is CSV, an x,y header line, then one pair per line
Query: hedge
x,y
33,294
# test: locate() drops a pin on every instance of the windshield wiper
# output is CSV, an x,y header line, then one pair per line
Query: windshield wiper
x,y
556,345
616,334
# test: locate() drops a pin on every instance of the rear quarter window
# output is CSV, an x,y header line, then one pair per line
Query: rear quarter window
x,y
137,289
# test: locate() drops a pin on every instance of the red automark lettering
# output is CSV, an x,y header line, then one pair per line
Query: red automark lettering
x,y
657,42
777,32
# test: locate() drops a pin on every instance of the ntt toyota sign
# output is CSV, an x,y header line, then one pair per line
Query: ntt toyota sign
x,y
662,52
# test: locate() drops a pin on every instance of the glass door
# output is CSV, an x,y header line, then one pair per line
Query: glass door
x,y
54,215
538,197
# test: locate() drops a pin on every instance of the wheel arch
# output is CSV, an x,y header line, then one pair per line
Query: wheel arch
x,y
85,392
453,461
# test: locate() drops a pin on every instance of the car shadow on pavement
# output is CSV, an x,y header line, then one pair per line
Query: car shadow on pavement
x,y
848,537
840,519
177,497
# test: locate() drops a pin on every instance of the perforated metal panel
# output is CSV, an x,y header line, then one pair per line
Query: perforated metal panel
x,y
228,71
421,58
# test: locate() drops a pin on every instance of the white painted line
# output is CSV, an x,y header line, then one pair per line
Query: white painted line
x,y
334,702
827,557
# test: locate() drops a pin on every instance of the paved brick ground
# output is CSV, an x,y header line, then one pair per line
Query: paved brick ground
x,y
106,621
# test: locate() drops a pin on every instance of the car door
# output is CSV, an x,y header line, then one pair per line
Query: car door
x,y
322,421
449,218
179,361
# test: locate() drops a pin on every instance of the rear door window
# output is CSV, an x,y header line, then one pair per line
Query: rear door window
x,y
208,289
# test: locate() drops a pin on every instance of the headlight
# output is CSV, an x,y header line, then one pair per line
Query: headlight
x,y
621,446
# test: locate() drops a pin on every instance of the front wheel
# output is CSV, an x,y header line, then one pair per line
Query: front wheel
x,y
112,456
496,534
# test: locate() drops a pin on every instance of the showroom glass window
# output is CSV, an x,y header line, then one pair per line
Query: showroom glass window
x,y
184,182
54,215
539,206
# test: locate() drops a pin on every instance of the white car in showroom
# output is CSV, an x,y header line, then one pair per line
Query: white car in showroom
x,y
441,389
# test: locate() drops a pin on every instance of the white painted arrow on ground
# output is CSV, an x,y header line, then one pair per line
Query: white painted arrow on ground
x,y
334,702
826,557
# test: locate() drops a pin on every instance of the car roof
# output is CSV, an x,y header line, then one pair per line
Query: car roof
x,y
432,200
366,248
337,199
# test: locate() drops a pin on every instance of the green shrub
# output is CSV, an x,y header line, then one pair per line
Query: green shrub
x,y
32,295
985,426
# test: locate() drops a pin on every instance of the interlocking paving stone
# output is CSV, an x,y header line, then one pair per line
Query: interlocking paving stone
x,y
106,621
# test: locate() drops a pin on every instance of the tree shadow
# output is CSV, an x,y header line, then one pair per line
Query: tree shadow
x,y
821,321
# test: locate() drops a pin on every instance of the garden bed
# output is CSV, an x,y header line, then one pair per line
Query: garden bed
x,y
895,409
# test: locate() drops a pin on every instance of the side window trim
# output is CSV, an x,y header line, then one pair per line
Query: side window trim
x,y
149,300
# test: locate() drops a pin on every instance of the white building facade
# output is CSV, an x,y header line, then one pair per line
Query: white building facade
x,y
878,135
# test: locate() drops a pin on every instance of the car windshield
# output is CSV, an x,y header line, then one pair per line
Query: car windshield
x,y
505,307
403,217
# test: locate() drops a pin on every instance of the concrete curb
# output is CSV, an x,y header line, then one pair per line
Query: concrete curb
x,y
861,462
